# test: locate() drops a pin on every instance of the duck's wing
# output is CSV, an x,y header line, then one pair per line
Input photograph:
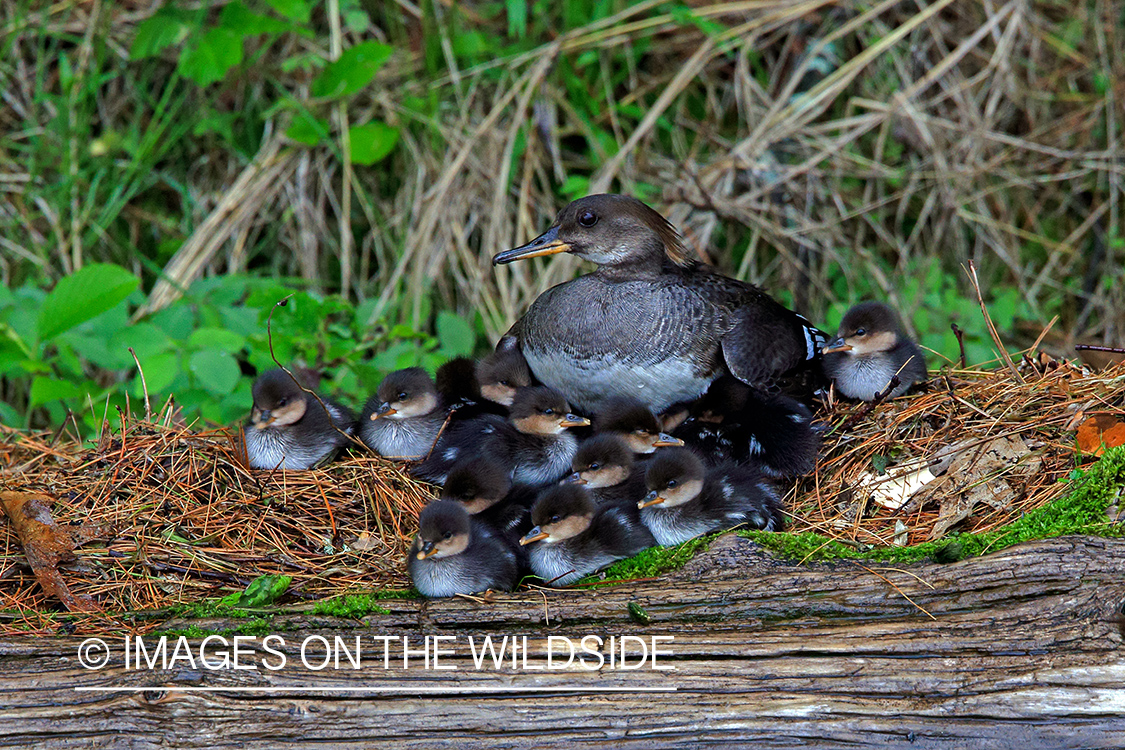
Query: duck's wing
x,y
767,340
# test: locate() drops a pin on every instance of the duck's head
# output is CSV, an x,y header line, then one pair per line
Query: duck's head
x,y
444,530
634,423
560,513
602,461
867,328
278,400
674,477
477,484
404,394
500,374
542,411
609,230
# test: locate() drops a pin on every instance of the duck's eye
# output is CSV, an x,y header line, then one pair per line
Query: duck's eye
x,y
402,396
282,401
642,433
504,382
672,483
595,466
448,535
548,411
861,332
587,218
554,519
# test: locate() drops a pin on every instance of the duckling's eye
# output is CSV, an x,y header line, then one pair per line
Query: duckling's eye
x,y
861,332
448,535
672,482
402,396
548,411
554,519
282,401
595,466
504,382
587,218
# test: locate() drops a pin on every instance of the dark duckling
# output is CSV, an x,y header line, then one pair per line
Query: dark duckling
x,y
634,423
452,554
733,423
500,374
573,537
534,443
483,487
291,429
651,322
870,349
404,417
604,465
685,501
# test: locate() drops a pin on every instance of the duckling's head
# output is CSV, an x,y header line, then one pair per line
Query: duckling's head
x,y
501,373
610,230
674,477
726,395
560,513
867,328
477,484
634,423
278,400
444,530
406,393
542,411
602,461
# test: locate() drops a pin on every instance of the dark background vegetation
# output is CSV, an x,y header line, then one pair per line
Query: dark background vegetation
x,y
372,156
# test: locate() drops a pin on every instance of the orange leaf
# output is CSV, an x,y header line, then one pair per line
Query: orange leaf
x,y
1100,432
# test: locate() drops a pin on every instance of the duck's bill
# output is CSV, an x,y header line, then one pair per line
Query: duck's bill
x,y
664,440
384,410
839,345
650,499
534,536
575,478
547,243
573,420
427,549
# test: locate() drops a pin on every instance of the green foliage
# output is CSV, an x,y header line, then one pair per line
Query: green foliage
x,y
68,350
262,591
352,606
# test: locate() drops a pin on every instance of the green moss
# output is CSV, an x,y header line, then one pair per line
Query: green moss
x,y
353,606
653,562
1081,511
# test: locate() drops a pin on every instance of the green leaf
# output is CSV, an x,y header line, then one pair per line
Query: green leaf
x,y
216,371
82,295
218,339
160,370
456,335
517,18
245,22
211,57
355,69
44,390
372,142
168,26
295,10
307,129
261,591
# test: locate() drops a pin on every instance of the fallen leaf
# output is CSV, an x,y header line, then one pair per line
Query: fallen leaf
x,y
364,542
46,544
1099,433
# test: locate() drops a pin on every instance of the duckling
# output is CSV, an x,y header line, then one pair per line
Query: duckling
x,y
404,417
290,429
735,423
454,555
870,349
650,322
604,465
483,487
634,423
685,501
456,383
533,443
501,373
573,537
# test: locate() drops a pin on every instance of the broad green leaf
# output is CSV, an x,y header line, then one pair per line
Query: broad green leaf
x,y
307,129
296,10
372,142
168,26
517,18
211,57
215,370
160,370
218,339
82,295
261,591
9,416
355,69
45,389
245,22
455,335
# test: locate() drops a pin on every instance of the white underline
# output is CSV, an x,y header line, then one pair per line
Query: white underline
x,y
384,689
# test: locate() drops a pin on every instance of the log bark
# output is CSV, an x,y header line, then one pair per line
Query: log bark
x,y
1019,648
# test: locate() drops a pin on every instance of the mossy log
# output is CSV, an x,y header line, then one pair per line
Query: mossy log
x,y
1018,648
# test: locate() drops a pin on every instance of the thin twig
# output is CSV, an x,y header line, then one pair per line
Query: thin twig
x,y
991,327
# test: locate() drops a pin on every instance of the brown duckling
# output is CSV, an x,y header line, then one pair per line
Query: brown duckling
x,y
291,429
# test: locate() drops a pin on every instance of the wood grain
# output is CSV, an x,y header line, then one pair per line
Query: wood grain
x,y
1022,648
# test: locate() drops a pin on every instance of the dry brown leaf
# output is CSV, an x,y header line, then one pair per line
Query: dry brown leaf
x,y
46,544
1100,432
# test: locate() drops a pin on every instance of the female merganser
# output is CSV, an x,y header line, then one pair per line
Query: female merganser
x,y
634,423
604,465
650,322
290,429
453,555
404,417
869,350
735,423
685,500
534,443
573,537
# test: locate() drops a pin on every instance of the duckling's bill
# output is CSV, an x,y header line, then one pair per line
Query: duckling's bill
x,y
533,536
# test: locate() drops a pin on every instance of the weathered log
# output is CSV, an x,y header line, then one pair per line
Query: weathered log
x,y
1019,648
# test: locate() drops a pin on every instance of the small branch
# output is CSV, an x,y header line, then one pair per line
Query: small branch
x,y
960,342
1093,348
991,327
144,386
